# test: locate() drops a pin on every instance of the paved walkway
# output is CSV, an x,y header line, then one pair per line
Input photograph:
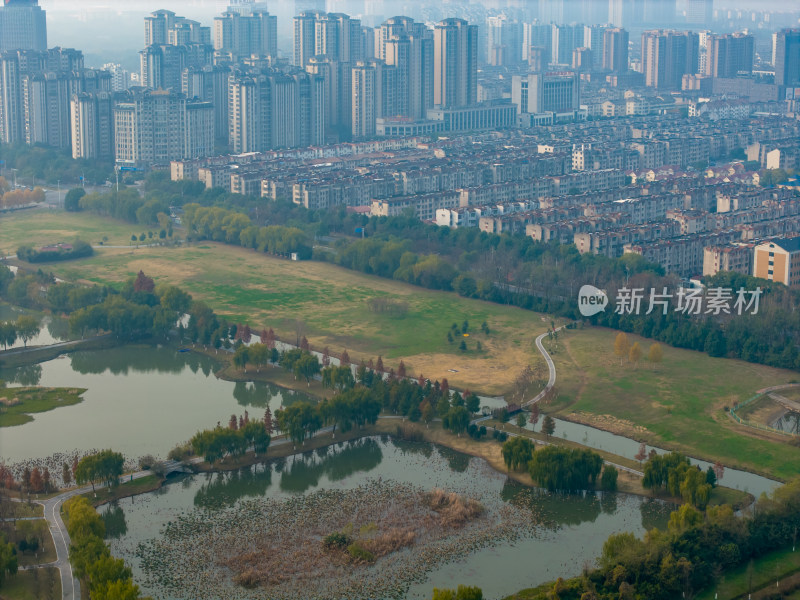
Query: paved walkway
x,y
551,380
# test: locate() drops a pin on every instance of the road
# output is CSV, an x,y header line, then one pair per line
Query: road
x,y
551,380
56,345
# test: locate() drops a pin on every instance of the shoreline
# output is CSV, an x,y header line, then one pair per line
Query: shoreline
x,y
488,450
573,417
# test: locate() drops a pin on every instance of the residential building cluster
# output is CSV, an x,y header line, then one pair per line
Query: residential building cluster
x,y
228,86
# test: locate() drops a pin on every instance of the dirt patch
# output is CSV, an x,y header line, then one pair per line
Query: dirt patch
x,y
493,374
174,272
609,423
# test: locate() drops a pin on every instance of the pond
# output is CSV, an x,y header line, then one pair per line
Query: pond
x,y
51,329
139,400
558,533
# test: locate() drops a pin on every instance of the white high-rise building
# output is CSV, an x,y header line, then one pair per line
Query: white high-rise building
x,y
455,63
153,127
23,26
120,77
504,41
409,47
244,33
92,125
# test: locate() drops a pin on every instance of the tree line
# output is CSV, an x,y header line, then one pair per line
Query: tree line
x,y
234,440
559,469
673,473
45,163
697,549
25,328
76,249
105,577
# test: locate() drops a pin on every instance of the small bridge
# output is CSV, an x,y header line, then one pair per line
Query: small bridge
x,y
173,466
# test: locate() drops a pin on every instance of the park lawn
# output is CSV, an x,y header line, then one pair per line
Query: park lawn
x,y
42,226
678,405
330,304
34,400
47,551
23,510
765,570
46,585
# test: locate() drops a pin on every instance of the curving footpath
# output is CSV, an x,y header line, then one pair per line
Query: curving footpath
x,y
70,586
551,381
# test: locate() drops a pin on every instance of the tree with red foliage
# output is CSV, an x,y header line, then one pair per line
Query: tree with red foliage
x,y
345,358
371,365
26,479
143,283
421,380
534,415
719,470
270,339
641,455
264,336
36,481
268,421
379,364
445,388
401,370
304,344
246,334
326,357
233,423
391,376
46,479
66,474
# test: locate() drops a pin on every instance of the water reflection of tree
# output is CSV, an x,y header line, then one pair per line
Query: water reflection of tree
x,y
139,359
655,513
554,509
260,394
608,502
26,375
58,328
114,519
224,489
305,471
458,461
423,448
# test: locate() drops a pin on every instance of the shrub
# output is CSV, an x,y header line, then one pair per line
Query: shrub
x,y
180,452
336,541
359,554
608,480
146,462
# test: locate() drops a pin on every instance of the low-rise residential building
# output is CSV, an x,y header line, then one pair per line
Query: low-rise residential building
x,y
729,257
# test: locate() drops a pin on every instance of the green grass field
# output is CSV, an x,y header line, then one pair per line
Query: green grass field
x,y
330,302
41,226
34,400
37,584
766,570
679,404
